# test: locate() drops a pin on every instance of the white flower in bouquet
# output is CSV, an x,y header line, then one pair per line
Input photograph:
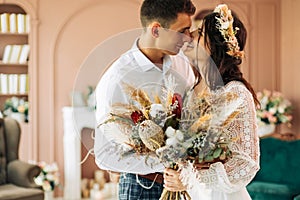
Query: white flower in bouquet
x,y
174,136
156,109
225,25
158,114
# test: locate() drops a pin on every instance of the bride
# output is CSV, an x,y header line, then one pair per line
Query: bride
x,y
223,38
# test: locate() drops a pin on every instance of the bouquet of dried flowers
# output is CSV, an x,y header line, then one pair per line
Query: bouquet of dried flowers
x,y
139,127
140,124
203,133
176,131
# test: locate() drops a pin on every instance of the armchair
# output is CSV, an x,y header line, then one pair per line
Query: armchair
x,y
278,177
16,176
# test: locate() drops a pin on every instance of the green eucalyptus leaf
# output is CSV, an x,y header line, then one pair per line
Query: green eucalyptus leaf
x,y
209,158
217,152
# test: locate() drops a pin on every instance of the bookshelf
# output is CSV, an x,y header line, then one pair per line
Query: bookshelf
x,y
14,32
7,68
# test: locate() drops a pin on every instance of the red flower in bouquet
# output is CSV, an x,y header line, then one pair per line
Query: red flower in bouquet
x,y
137,116
177,103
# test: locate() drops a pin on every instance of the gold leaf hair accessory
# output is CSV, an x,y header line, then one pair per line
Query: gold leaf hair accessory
x,y
225,27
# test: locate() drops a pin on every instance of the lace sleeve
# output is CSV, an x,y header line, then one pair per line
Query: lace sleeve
x,y
242,167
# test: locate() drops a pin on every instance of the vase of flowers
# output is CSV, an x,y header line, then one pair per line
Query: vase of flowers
x,y
48,179
265,129
274,109
16,108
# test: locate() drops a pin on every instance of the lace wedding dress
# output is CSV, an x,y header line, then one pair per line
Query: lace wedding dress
x,y
228,181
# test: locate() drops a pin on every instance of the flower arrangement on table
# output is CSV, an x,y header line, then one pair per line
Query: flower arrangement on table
x,y
176,133
49,176
274,108
16,105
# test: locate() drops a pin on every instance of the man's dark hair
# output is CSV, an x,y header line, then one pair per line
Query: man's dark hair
x,y
164,11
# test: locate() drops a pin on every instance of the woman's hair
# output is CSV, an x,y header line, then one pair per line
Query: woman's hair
x,y
164,11
228,65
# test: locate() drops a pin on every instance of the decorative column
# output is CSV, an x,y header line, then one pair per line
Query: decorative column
x,y
75,118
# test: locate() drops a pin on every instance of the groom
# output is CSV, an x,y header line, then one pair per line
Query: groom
x,y
154,55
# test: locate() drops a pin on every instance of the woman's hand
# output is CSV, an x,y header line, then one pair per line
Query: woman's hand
x,y
172,181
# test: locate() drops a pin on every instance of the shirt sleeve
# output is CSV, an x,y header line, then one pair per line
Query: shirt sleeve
x,y
107,156
239,170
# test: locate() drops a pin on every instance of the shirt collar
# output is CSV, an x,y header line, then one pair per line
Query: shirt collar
x,y
145,63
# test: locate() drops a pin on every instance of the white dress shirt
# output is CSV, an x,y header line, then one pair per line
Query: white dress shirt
x,y
136,69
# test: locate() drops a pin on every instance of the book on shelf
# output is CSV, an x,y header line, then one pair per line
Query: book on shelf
x,y
27,24
7,53
13,23
21,23
23,83
15,53
4,84
24,54
14,84
4,17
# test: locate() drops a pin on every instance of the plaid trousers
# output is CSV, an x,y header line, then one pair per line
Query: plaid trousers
x,y
130,189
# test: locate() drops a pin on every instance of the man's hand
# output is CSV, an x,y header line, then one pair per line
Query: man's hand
x,y
172,181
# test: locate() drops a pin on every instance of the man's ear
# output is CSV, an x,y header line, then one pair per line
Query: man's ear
x,y
155,30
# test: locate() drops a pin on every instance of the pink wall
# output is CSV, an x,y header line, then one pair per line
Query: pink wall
x,y
290,62
67,38
68,31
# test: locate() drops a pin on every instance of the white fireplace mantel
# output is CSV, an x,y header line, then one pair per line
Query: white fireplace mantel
x,y
75,118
